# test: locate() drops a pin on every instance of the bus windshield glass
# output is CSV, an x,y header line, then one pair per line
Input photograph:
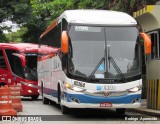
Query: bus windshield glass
x,y
15,62
31,66
104,52
28,72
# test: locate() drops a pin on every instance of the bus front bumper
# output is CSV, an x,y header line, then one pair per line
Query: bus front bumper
x,y
29,89
87,101
99,106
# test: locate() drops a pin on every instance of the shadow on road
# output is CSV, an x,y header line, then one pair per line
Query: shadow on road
x,y
89,114
29,99
79,114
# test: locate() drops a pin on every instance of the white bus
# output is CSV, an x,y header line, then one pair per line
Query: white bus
x,y
95,61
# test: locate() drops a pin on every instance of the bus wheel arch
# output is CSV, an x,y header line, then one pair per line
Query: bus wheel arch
x,y
64,109
34,97
59,92
44,99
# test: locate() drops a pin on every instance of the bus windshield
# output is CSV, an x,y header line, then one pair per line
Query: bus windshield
x,y
31,66
28,72
104,52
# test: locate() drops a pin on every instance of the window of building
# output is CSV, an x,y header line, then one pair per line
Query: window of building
x,y
155,52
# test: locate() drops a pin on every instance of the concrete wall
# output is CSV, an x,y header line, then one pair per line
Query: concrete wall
x,y
150,19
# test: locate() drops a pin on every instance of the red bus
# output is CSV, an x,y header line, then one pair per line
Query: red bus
x,y
18,64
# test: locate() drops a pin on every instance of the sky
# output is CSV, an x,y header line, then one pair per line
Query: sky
x,y
14,27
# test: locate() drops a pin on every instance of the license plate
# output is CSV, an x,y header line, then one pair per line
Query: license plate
x,y
106,104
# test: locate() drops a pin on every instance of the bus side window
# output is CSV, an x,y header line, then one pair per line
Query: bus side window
x,y
58,38
64,25
2,61
53,38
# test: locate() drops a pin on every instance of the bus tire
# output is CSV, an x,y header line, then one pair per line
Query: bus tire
x,y
34,97
120,111
44,100
64,109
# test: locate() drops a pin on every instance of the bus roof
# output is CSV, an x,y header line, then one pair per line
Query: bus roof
x,y
22,47
94,17
98,17
28,47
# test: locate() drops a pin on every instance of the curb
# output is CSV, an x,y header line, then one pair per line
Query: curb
x,y
150,112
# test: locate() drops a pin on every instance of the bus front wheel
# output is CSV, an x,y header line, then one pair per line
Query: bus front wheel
x,y
64,109
120,111
34,97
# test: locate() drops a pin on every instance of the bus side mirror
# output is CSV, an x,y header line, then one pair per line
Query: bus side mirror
x,y
64,42
147,43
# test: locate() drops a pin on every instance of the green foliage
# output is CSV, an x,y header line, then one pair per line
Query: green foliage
x,y
51,9
128,6
16,36
20,12
36,15
2,38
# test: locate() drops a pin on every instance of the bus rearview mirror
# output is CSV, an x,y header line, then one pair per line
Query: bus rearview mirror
x,y
147,43
64,42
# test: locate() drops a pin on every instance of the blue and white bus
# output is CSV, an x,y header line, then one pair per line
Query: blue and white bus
x,y
95,61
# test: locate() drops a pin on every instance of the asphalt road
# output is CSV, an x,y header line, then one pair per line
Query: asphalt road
x,y
51,114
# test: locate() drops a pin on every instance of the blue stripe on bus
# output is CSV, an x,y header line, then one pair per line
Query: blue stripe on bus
x,y
83,98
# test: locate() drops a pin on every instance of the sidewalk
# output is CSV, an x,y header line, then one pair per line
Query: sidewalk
x,y
144,110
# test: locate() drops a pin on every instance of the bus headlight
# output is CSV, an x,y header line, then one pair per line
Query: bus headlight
x,y
29,91
74,88
67,85
135,89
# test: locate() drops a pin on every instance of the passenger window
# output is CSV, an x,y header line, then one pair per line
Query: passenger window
x,y
2,61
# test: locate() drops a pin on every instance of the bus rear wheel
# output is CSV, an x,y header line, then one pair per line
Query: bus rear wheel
x,y
34,97
44,100
120,111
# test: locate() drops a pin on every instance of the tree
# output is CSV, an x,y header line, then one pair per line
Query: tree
x,y
36,15
51,9
16,36
20,12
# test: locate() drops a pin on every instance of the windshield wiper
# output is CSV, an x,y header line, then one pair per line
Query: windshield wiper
x,y
116,67
94,71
